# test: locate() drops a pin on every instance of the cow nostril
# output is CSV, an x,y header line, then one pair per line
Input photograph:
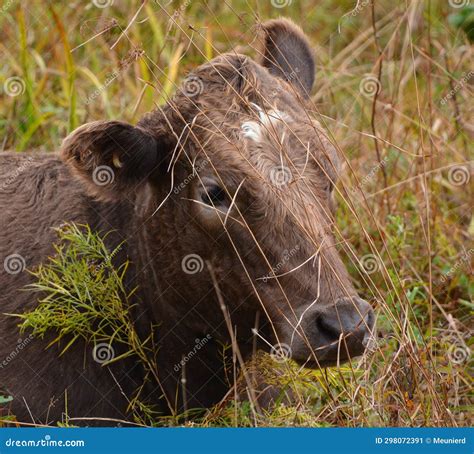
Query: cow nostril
x,y
351,317
327,327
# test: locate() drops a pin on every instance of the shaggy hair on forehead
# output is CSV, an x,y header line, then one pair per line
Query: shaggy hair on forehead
x,y
241,102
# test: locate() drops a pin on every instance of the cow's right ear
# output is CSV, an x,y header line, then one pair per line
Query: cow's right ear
x,y
112,157
286,53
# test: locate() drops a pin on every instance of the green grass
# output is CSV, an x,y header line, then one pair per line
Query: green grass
x,y
411,216
85,299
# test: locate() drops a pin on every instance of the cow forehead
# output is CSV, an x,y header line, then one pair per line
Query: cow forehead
x,y
278,139
272,119
272,142
249,133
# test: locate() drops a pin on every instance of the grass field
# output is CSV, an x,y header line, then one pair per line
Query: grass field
x,y
394,89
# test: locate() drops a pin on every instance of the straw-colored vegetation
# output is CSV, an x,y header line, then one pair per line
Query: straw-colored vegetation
x,y
394,90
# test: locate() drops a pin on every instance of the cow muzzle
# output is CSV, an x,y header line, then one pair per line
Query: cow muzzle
x,y
335,333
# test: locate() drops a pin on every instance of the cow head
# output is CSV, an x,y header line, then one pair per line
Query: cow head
x,y
237,179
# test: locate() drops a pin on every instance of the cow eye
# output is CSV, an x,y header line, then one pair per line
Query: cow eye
x,y
214,195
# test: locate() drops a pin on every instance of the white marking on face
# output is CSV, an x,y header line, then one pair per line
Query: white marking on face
x,y
253,130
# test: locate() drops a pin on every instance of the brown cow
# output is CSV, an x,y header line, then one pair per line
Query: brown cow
x,y
223,199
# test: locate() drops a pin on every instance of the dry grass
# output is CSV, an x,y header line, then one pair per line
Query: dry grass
x,y
405,198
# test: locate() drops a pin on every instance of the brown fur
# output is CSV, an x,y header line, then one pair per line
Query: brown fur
x,y
308,306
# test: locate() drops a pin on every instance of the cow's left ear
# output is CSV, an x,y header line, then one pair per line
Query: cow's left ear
x,y
286,53
112,157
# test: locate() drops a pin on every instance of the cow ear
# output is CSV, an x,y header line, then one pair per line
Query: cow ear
x,y
111,157
286,53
